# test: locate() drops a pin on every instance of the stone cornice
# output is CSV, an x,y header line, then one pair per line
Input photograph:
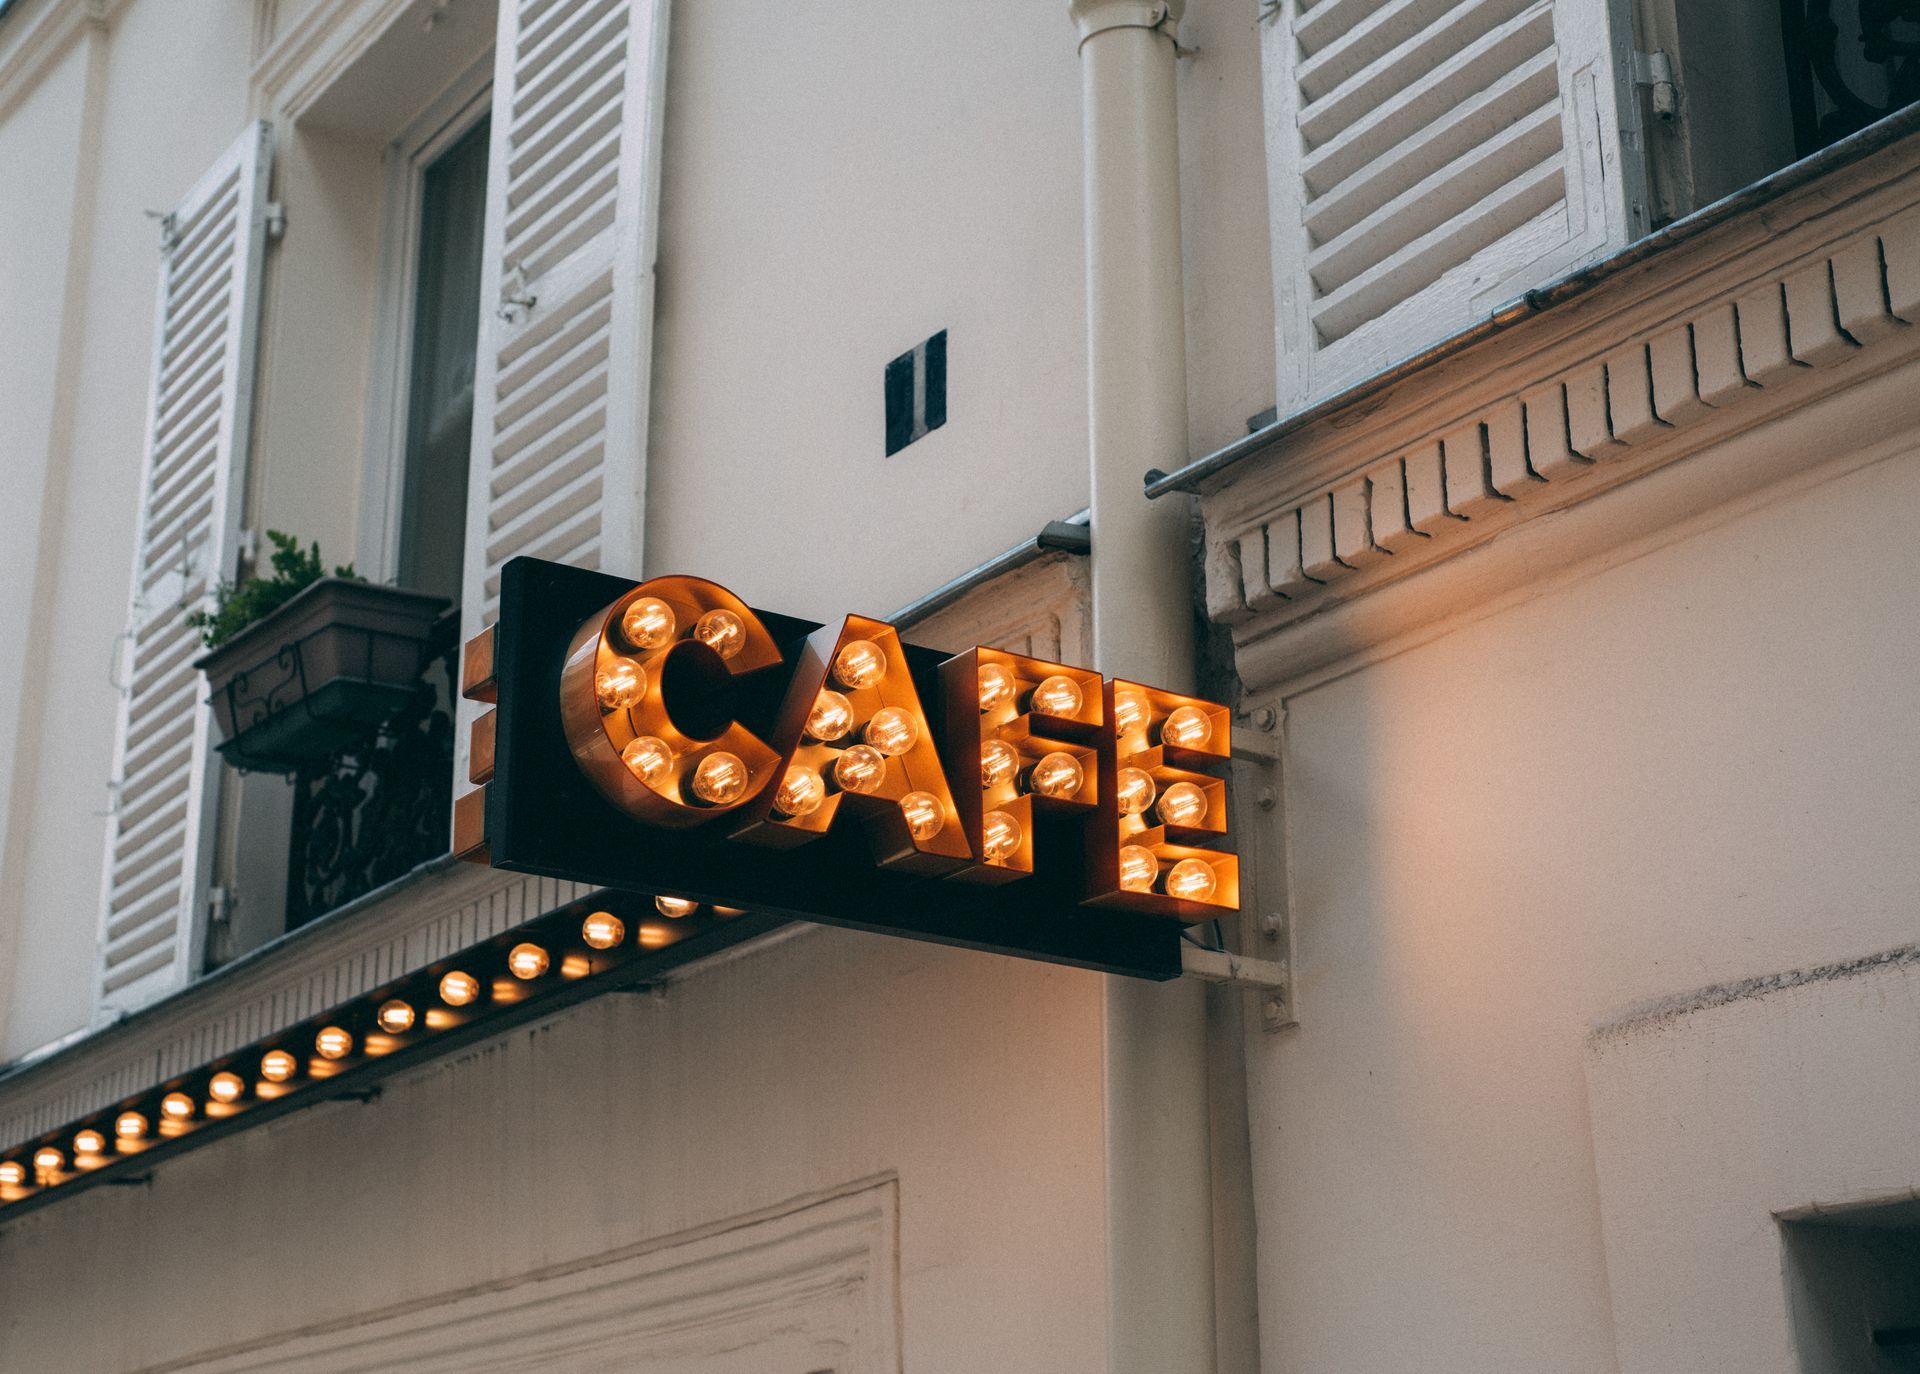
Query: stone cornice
x,y
1763,319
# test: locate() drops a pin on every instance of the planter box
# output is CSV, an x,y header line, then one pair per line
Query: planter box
x,y
319,674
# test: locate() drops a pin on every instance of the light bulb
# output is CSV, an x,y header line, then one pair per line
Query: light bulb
x,y
277,1066
892,731
89,1142
1134,789
721,631
999,836
49,1160
648,623
859,664
1057,775
603,930
1191,880
13,1173
1131,711
620,684
1056,696
176,1107
860,769
1183,804
226,1087
395,1017
649,759
996,686
720,778
999,763
652,935
675,907
333,1043
801,792
1138,868
130,1126
830,718
527,962
1187,728
457,988
924,816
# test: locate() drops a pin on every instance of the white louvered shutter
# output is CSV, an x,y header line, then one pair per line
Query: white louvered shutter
x,y
160,836
1431,160
560,405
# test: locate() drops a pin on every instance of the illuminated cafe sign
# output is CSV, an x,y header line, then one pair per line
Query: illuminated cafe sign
x,y
665,738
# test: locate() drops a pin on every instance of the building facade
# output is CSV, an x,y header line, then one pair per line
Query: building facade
x,y
1507,405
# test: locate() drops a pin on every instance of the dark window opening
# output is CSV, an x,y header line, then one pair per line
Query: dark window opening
x,y
916,385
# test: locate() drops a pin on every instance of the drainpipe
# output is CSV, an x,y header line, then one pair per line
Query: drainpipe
x,y
1159,1242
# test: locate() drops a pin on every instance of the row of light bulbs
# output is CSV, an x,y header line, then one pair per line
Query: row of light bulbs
x,y
526,961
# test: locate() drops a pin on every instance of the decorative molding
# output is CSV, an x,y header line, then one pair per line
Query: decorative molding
x,y
434,911
1796,303
43,37
813,1284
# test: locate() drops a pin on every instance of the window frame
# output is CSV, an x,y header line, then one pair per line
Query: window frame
x,y
443,123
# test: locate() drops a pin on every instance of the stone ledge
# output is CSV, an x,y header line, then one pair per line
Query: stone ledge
x,y
1800,302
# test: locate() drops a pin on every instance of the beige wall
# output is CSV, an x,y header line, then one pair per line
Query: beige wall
x,y
1694,766
152,148
832,1058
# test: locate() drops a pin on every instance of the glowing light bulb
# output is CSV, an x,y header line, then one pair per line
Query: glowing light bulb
x,y
1138,868
130,1126
1192,880
226,1087
49,1160
13,1173
1057,696
996,686
89,1142
603,930
1134,789
859,664
457,989
721,631
1183,804
892,731
1057,775
1187,728
333,1043
801,792
277,1066
177,1107
620,684
648,623
649,759
925,819
1131,711
675,907
720,778
527,962
395,1017
999,836
860,769
830,718
999,763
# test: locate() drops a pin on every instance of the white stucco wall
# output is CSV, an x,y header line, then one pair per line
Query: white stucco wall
x,y
153,146
1694,766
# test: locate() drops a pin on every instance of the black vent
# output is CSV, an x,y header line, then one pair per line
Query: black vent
x,y
916,393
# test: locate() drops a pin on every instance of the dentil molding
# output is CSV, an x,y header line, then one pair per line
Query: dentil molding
x,y
1348,534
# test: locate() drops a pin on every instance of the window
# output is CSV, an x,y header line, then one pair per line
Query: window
x,y
1759,84
1853,1278
446,323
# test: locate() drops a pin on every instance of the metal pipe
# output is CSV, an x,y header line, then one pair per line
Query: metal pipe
x,y
1159,1242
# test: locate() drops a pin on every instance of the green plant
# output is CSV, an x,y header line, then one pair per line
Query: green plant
x,y
238,604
